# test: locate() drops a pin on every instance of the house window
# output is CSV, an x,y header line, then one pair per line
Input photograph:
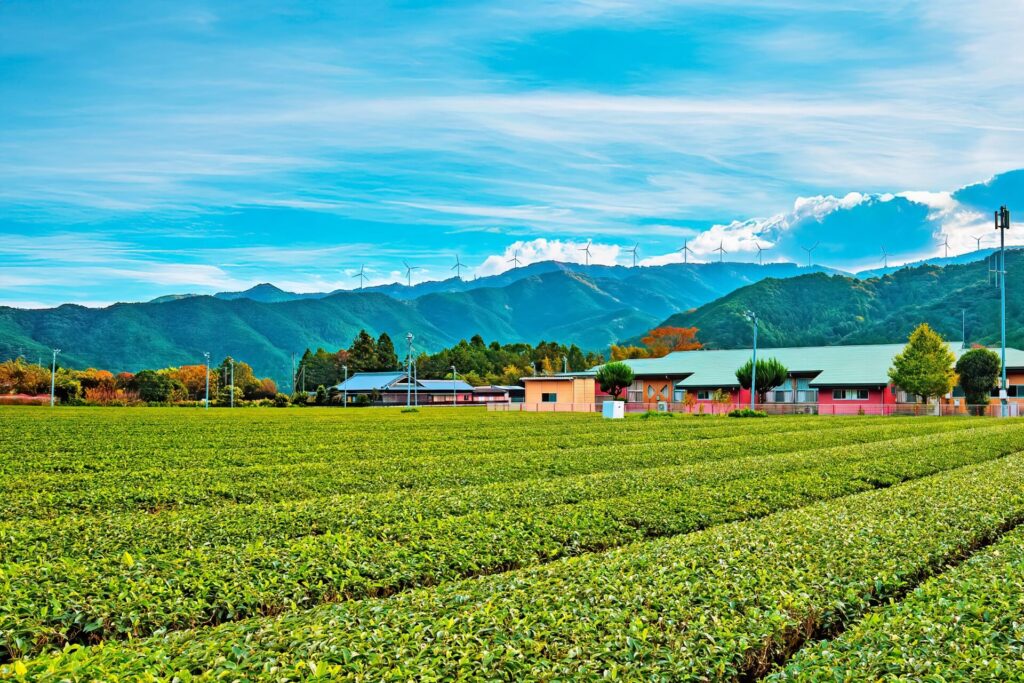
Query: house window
x,y
849,394
703,394
677,395
650,391
549,398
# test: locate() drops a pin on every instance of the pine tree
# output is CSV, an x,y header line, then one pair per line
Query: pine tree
x,y
362,356
387,359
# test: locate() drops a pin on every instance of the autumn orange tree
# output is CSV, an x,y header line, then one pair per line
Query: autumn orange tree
x,y
662,341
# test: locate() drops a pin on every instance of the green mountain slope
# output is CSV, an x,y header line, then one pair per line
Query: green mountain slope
x,y
588,306
822,309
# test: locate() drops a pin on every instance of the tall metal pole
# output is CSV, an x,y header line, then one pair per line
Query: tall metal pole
x,y
455,394
53,378
752,317
232,382
207,355
408,370
345,385
1002,225
565,365
293,374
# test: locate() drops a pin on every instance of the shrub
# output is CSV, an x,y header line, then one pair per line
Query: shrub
x,y
281,400
747,412
656,414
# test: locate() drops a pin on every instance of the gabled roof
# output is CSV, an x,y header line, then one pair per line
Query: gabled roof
x,y
863,365
370,381
441,385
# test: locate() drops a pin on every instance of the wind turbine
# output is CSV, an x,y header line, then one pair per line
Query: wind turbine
x,y
759,250
978,240
514,260
361,275
686,250
586,251
633,252
408,273
945,244
458,267
885,258
809,250
721,250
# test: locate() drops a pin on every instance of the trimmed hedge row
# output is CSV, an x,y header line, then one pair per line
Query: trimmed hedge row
x,y
66,594
155,490
964,625
720,604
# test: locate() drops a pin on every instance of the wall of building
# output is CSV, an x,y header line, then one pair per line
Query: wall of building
x,y
568,390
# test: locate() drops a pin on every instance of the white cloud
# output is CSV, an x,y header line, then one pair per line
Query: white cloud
x,y
542,249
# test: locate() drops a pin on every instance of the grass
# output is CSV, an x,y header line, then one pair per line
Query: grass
x,y
145,541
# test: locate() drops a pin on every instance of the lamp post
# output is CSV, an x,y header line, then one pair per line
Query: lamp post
x,y
207,356
232,382
408,369
752,317
565,365
1002,225
53,379
455,393
345,385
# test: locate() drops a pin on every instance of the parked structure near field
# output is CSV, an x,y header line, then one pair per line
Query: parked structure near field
x,y
826,379
393,389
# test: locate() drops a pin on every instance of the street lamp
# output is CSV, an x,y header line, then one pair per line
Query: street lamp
x,y
53,378
455,393
207,356
752,317
565,365
345,385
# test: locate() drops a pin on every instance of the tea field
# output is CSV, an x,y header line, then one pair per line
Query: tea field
x,y
374,545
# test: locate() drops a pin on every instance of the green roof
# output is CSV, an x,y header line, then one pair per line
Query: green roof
x,y
866,365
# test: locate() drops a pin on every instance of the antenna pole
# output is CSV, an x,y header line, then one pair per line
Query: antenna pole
x,y
1002,225
53,378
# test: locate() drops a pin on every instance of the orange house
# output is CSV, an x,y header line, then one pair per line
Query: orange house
x,y
559,389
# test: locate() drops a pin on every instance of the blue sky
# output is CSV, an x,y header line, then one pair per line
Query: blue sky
x,y
159,147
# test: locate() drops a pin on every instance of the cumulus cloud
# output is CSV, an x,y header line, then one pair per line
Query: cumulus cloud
x,y
543,249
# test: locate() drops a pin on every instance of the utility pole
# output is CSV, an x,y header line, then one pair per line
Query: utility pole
x,y
408,368
232,382
752,317
1002,225
53,378
293,373
207,355
345,385
455,393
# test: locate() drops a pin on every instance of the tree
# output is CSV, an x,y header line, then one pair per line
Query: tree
x,y
979,375
267,389
362,356
662,341
194,379
153,387
614,377
925,366
387,359
321,395
770,374
629,352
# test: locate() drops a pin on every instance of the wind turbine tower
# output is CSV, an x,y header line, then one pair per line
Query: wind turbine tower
x,y
408,273
945,243
721,250
586,252
633,252
458,267
809,250
760,249
514,260
361,275
885,258
686,250
978,241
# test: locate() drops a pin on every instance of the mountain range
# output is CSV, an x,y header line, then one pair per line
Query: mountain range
x,y
958,300
591,306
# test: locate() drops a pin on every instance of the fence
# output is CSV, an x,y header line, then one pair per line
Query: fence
x,y
877,409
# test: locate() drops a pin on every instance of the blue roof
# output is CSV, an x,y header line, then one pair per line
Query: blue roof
x,y
370,381
441,385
